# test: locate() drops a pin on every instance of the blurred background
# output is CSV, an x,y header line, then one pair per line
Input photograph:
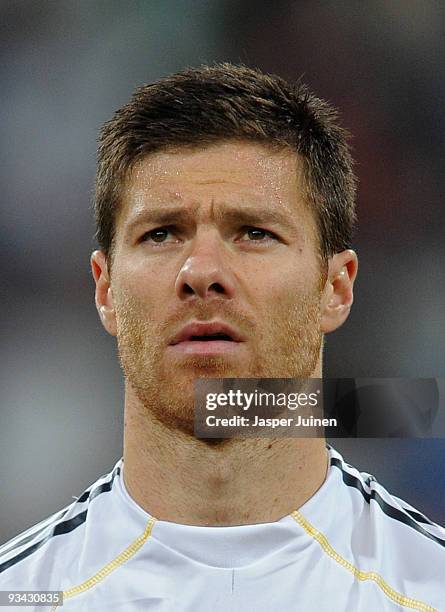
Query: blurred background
x,y
66,66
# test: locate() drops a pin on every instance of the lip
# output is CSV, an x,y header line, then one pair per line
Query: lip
x,y
184,344
206,328
205,347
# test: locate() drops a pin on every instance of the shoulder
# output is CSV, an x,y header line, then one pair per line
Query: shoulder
x,y
394,515
30,559
382,539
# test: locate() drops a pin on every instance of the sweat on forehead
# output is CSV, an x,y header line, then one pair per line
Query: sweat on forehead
x,y
234,181
198,107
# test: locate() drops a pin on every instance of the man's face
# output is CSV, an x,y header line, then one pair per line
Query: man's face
x,y
219,234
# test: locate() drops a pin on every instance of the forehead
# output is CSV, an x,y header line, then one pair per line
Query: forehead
x,y
225,173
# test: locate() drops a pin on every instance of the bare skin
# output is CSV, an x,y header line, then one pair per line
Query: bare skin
x,y
262,275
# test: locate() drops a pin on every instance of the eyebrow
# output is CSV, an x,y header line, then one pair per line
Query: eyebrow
x,y
248,214
159,216
177,214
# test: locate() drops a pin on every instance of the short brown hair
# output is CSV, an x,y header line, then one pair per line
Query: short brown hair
x,y
209,104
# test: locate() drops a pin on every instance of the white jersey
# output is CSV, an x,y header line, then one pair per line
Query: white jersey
x,y
351,547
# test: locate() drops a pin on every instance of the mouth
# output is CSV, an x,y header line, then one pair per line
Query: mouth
x,y
211,337
202,338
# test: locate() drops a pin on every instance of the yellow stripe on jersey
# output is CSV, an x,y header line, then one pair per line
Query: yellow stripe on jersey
x,y
121,558
402,600
125,555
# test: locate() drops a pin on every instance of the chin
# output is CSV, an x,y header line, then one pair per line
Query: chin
x,y
206,366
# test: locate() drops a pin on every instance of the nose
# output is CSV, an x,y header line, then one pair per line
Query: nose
x,y
205,273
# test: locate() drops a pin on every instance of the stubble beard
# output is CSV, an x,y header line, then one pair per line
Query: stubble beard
x,y
287,347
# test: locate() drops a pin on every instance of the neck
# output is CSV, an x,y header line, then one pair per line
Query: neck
x,y
178,478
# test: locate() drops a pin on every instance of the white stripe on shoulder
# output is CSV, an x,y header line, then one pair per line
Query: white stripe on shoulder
x,y
394,508
41,530
28,534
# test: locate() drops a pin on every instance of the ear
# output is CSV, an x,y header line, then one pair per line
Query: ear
x,y
338,294
103,295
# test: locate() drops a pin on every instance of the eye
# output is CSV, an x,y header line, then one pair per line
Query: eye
x,y
158,235
257,234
